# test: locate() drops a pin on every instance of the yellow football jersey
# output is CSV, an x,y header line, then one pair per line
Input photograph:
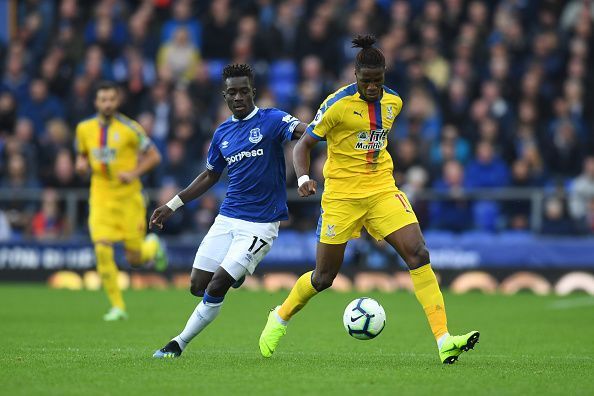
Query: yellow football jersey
x,y
358,163
111,148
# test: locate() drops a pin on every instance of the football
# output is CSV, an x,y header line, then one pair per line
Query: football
x,y
364,318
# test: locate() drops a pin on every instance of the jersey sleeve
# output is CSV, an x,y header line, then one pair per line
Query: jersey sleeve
x,y
285,125
326,118
215,160
144,142
80,143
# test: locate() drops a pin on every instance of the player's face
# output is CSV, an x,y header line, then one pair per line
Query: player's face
x,y
239,96
370,82
107,101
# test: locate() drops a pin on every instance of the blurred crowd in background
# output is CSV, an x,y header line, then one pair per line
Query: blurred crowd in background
x,y
497,94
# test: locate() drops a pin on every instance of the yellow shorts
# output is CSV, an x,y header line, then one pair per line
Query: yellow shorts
x,y
119,221
381,214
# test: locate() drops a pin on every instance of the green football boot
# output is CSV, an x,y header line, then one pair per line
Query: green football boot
x,y
115,314
272,333
453,346
161,261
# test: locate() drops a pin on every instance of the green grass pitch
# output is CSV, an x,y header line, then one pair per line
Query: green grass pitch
x,y
54,342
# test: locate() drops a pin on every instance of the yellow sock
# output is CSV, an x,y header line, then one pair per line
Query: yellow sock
x,y
148,249
430,297
108,271
298,297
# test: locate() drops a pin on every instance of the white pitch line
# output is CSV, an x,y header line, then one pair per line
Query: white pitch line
x,y
573,303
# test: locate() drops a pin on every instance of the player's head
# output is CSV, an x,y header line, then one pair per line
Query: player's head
x,y
107,98
238,89
370,67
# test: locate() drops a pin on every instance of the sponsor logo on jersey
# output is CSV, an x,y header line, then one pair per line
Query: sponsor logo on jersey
x,y
255,135
371,140
244,154
225,144
104,154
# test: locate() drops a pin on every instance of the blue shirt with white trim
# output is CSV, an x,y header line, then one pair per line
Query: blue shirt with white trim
x,y
252,150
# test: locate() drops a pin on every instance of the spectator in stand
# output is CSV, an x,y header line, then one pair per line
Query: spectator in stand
x,y
556,221
582,191
564,152
16,79
453,213
182,18
487,170
48,223
219,31
40,106
179,56
7,113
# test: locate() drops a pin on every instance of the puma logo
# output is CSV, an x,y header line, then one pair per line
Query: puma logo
x,y
359,114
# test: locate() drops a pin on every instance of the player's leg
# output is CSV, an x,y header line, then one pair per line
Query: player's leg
x,y
108,271
210,254
329,259
103,232
328,262
408,241
340,220
199,280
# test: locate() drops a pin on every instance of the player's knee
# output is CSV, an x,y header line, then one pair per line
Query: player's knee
x,y
418,257
322,280
196,289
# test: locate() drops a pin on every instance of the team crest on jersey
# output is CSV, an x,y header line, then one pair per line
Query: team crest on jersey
x,y
330,232
225,144
255,135
116,137
390,115
371,140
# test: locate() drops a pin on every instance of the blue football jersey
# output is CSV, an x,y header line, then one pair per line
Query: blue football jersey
x,y
252,150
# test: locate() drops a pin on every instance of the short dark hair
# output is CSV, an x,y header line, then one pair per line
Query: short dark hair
x,y
368,56
239,70
103,85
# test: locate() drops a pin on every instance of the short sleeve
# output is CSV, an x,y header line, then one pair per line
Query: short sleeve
x,y
144,142
326,118
80,143
285,126
215,160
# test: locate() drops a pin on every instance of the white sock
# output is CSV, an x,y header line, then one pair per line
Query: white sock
x,y
204,313
441,340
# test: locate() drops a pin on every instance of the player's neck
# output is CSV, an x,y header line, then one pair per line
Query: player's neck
x,y
249,115
105,119
364,98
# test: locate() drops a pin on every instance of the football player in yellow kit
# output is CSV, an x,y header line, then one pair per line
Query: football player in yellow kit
x,y
360,191
118,152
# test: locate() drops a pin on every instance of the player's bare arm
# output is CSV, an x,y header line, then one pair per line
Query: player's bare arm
x,y
199,186
147,161
299,131
82,165
301,158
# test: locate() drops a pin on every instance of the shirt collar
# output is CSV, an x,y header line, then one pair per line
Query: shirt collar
x,y
247,117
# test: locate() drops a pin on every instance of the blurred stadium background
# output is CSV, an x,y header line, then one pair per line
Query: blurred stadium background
x,y
495,146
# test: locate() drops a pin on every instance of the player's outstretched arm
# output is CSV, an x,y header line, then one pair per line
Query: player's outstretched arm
x,y
301,158
199,186
146,162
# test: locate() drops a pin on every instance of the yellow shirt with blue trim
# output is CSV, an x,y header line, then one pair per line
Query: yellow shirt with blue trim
x,y
358,163
111,148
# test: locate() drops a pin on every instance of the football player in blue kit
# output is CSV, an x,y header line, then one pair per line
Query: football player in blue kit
x,y
249,144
